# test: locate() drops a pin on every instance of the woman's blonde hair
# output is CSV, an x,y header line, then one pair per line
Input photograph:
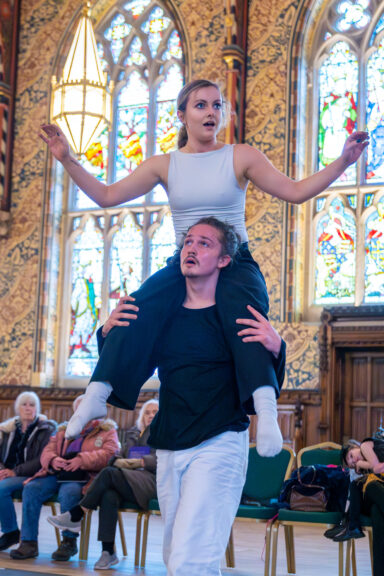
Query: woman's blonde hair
x,y
27,396
182,101
140,419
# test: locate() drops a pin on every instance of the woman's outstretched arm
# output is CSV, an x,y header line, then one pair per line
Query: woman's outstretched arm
x,y
255,166
140,182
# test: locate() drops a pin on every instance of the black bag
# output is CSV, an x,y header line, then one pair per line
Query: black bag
x,y
72,476
308,497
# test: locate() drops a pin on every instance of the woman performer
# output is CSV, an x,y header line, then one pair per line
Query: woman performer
x,y
203,177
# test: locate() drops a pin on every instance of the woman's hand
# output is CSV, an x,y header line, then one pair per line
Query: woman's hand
x,y
58,463
6,473
56,141
354,146
72,465
119,316
260,331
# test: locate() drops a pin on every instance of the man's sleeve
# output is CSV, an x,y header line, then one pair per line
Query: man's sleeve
x,y
279,364
100,339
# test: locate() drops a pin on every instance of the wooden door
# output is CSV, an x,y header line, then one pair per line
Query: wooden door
x,y
361,394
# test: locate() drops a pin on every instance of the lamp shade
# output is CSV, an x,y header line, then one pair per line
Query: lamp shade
x,y
81,101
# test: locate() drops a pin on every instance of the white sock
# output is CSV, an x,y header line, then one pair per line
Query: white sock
x,y
269,440
93,405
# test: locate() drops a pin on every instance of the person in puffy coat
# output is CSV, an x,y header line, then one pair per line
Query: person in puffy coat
x,y
67,469
22,439
130,478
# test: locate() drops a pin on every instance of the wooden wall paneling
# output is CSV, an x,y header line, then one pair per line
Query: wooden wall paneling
x,y
351,372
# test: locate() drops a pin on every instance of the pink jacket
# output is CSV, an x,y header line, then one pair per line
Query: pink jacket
x,y
97,449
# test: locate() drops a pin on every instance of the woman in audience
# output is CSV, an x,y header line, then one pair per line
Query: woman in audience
x,y
130,478
67,469
366,495
22,439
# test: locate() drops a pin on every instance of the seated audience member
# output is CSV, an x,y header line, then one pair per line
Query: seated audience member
x,y
366,495
130,478
67,469
22,439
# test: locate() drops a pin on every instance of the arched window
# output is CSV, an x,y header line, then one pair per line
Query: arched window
x,y
110,252
346,88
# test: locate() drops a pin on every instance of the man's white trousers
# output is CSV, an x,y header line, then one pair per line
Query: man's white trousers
x,y
199,491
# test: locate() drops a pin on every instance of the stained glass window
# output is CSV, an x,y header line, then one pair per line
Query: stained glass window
x,y
87,277
375,120
338,81
335,256
348,60
374,255
115,249
126,260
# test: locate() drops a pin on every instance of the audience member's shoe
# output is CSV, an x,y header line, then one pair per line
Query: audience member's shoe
x,y
332,532
8,539
64,522
67,548
348,534
27,549
105,561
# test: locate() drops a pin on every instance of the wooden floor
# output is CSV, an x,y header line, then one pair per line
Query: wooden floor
x,y
315,555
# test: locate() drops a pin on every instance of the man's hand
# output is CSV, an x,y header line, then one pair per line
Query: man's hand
x,y
120,315
260,330
129,463
6,473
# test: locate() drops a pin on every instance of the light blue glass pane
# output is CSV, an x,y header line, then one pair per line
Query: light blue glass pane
x,y
352,200
126,260
352,15
159,194
116,33
135,54
87,276
100,52
173,47
320,203
368,199
374,255
338,87
163,244
335,256
154,27
171,85
375,120
136,7
135,92
379,27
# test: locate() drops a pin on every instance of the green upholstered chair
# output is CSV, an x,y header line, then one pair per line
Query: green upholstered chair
x,y
325,453
265,477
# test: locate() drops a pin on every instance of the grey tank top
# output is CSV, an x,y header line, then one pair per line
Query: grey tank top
x,y
202,185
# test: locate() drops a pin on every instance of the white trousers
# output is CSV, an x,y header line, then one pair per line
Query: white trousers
x,y
199,491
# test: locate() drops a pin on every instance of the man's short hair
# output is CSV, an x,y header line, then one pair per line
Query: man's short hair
x,y
229,238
